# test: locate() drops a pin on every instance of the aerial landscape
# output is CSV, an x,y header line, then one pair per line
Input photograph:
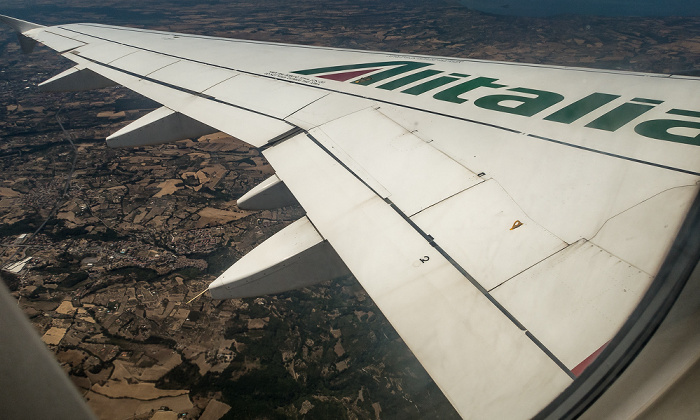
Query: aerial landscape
x,y
106,249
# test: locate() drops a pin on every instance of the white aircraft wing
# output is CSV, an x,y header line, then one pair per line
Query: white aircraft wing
x,y
506,218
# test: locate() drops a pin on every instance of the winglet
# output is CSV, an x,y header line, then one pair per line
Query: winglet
x,y
19,25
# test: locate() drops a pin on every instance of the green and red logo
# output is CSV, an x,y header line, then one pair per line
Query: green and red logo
x,y
414,78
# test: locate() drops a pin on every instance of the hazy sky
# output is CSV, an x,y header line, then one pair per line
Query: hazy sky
x,y
588,7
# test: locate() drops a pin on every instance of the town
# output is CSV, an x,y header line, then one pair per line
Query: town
x,y
107,250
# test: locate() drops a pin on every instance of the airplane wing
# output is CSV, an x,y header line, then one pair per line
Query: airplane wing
x,y
506,218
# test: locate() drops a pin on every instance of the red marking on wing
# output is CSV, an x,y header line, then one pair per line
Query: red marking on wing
x,y
342,77
578,370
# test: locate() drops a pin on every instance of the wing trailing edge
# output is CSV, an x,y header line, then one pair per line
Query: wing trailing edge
x,y
19,25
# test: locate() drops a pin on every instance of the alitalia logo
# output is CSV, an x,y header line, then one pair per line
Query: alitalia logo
x,y
419,79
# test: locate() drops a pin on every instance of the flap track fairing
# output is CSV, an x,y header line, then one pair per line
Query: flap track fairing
x,y
75,79
295,257
272,193
160,126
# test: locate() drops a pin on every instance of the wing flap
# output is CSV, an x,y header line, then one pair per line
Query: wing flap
x,y
143,62
252,127
570,192
485,365
328,108
55,41
484,230
267,96
103,52
640,240
576,300
393,161
196,77
247,107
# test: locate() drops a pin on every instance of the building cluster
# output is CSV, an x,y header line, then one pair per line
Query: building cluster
x,y
106,267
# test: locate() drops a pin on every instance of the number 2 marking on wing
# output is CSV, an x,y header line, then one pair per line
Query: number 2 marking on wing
x,y
425,259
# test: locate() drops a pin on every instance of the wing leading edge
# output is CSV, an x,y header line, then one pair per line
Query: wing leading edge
x,y
509,218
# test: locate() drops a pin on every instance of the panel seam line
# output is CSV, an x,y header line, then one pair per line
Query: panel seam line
x,y
452,262
560,142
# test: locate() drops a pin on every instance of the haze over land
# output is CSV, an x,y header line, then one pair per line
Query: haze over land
x,y
586,8
141,231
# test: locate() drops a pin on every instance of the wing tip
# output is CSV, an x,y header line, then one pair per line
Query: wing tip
x,y
19,25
